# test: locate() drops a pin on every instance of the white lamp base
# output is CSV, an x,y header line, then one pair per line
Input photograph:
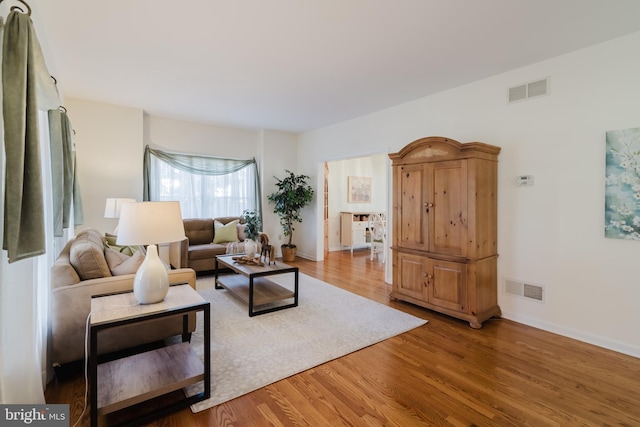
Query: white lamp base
x,y
151,283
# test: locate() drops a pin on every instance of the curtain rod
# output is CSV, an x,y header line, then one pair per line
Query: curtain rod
x,y
28,11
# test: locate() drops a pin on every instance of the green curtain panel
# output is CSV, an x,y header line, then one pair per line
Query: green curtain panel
x,y
24,232
78,213
26,88
57,170
63,177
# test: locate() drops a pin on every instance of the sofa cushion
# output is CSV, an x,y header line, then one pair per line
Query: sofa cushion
x,y
206,251
199,231
87,255
225,233
120,264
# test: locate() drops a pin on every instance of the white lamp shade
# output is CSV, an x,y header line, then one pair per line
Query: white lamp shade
x,y
113,205
146,223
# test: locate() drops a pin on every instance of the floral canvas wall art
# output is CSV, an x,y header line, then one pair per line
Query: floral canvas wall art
x,y
359,189
622,190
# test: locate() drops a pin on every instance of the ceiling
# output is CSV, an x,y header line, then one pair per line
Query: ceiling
x,y
298,65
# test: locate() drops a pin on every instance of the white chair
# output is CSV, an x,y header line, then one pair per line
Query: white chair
x,y
378,230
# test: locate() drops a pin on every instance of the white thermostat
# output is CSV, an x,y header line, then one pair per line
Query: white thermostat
x,y
523,180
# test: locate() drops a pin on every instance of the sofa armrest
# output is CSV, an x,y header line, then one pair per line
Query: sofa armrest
x,y
182,275
70,307
179,254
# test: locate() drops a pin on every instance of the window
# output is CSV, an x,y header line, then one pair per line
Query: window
x,y
206,187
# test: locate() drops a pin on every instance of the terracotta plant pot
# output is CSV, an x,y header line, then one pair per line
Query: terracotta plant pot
x,y
288,253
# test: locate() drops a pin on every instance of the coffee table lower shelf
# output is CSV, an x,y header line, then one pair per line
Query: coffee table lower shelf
x,y
264,292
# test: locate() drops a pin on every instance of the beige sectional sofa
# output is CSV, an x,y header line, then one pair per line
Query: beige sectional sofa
x,y
82,270
204,242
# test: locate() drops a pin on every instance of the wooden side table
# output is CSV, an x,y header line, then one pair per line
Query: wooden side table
x,y
127,381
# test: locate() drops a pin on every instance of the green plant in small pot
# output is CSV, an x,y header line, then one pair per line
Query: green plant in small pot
x,y
253,221
293,194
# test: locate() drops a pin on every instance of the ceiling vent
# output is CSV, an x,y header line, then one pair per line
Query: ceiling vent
x,y
528,90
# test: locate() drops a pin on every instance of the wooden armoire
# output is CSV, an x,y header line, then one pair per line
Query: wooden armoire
x,y
445,227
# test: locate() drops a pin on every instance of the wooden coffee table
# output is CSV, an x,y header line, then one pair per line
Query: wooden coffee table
x,y
249,283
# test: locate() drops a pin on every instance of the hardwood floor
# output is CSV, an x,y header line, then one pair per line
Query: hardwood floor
x,y
443,373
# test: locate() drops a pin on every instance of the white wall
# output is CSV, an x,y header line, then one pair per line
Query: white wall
x,y
200,138
109,155
552,233
279,154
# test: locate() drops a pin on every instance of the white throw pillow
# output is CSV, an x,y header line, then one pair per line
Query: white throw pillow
x,y
121,264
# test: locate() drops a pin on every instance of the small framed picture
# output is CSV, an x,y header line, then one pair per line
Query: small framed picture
x,y
359,190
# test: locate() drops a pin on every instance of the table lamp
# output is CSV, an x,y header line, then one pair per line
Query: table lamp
x,y
113,206
150,223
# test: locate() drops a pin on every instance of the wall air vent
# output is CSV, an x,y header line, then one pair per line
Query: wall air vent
x,y
528,90
532,291
524,290
517,93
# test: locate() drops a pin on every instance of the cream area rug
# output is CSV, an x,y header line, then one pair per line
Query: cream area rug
x,y
248,353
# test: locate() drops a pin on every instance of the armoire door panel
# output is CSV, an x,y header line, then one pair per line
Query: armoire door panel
x,y
449,214
412,276
413,229
448,287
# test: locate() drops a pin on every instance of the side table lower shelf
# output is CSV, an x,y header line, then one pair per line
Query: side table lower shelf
x,y
120,388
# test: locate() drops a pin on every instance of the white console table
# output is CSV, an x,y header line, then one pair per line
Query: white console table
x,y
354,229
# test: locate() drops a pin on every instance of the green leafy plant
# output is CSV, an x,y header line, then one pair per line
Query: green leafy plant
x,y
253,221
292,195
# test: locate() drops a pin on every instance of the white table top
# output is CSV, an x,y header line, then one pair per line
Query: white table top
x,y
117,307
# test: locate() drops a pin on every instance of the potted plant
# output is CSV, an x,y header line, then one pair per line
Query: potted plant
x,y
253,221
292,195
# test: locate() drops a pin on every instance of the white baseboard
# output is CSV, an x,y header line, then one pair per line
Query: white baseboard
x,y
575,334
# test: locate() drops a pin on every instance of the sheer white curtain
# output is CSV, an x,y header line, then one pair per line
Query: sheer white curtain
x,y
24,305
204,196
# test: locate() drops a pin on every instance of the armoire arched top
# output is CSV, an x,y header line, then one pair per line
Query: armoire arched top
x,y
437,148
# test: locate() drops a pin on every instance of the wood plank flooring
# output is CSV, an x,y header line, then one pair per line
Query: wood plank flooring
x,y
443,373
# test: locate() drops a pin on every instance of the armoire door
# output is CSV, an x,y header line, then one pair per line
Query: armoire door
x,y
411,276
448,214
447,284
412,194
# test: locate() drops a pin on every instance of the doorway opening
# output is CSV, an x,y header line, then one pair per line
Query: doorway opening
x,y
372,171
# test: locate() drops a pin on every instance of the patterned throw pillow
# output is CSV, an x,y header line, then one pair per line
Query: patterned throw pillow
x,y
224,233
241,234
110,243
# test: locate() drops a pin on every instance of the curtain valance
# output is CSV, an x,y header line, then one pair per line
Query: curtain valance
x,y
202,165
